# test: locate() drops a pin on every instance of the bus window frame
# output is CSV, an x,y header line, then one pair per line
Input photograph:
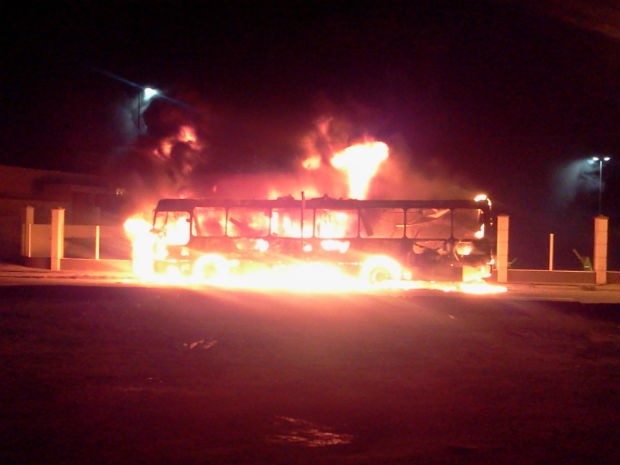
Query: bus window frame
x,y
264,232
347,235
196,214
163,228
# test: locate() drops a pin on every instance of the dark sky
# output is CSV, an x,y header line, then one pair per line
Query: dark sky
x,y
499,95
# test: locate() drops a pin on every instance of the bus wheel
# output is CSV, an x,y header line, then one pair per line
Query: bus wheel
x,y
378,275
379,269
210,266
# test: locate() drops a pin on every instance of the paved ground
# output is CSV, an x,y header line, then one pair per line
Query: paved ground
x,y
106,374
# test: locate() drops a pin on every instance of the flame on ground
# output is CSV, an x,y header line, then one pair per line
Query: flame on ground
x,y
297,277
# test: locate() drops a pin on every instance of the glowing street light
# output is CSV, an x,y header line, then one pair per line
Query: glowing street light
x,y
600,161
144,98
149,93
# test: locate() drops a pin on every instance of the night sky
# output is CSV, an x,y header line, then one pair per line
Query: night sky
x,y
498,96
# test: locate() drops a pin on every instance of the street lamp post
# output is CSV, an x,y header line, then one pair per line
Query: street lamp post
x,y
600,161
140,111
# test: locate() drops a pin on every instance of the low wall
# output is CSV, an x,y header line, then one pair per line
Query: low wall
x,y
83,264
80,241
559,276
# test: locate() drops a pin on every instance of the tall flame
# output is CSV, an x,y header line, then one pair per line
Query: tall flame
x,y
360,162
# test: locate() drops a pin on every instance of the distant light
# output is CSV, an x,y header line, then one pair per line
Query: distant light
x,y
149,93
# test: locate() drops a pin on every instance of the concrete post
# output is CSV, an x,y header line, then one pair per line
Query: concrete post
x,y
27,232
58,238
600,248
551,237
502,248
97,241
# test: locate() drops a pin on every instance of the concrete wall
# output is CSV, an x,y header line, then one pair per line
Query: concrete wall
x,y
11,220
86,198
557,277
80,241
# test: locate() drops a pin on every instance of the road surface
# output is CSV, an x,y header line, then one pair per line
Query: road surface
x,y
98,374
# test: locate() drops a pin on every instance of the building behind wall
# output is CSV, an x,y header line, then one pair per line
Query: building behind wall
x,y
87,199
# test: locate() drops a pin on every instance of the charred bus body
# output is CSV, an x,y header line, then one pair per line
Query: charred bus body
x,y
375,239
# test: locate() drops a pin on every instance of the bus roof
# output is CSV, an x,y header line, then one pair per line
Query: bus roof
x,y
319,202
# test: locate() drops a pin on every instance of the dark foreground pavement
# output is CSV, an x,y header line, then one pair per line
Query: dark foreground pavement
x,y
134,375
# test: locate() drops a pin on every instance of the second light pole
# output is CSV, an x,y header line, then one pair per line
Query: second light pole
x,y
600,161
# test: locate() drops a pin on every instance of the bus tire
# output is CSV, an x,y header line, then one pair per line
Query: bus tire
x,y
378,275
210,266
206,271
379,269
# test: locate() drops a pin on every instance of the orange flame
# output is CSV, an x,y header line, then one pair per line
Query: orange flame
x,y
313,162
187,134
138,230
149,245
360,162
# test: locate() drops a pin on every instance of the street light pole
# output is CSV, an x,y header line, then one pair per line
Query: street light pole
x,y
140,111
600,161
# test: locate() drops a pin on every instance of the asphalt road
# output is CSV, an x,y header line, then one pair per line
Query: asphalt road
x,y
98,374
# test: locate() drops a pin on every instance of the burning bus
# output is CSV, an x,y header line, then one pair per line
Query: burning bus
x,y
378,241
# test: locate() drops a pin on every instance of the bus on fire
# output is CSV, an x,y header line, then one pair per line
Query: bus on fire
x,y
377,240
